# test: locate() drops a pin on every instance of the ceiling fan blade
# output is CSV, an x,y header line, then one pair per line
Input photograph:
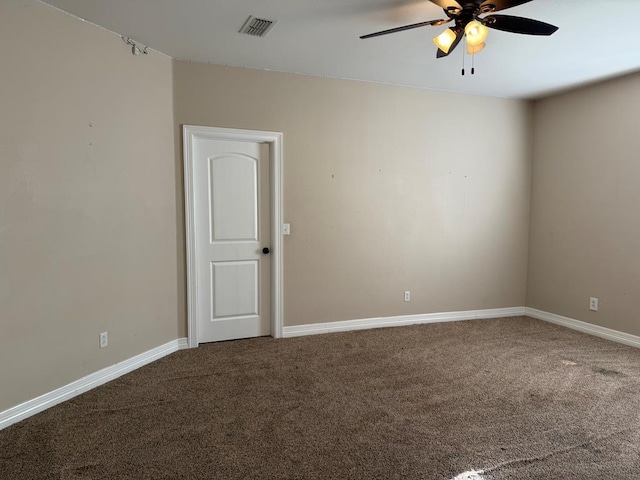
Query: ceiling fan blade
x,y
447,3
459,36
527,26
503,4
406,27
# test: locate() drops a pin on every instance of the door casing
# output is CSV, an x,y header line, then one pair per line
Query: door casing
x,y
274,139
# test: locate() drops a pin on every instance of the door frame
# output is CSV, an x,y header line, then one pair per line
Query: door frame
x,y
274,139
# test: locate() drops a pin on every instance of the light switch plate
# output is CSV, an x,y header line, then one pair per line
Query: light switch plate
x,y
286,229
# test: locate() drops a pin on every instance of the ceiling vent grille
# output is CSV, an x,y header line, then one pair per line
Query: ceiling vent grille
x,y
257,27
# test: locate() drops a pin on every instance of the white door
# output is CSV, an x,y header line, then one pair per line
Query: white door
x,y
232,236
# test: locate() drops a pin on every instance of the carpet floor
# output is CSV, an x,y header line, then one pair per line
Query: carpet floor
x,y
489,399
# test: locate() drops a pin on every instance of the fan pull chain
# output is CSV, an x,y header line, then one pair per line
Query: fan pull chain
x,y
473,63
462,62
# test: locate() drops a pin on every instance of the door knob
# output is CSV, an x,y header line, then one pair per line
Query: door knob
x,y
265,250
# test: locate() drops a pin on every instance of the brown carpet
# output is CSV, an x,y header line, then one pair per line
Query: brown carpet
x,y
514,398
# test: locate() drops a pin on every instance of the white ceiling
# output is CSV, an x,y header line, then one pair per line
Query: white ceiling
x,y
596,40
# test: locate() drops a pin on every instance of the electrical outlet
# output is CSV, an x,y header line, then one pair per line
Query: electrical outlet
x,y
407,296
593,304
104,339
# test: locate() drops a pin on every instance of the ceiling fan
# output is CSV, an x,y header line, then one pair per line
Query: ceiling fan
x,y
466,15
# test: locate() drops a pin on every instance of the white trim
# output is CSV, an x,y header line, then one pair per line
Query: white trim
x,y
275,141
596,330
73,389
366,323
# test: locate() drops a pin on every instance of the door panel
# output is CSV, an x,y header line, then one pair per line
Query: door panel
x,y
231,190
233,181
235,289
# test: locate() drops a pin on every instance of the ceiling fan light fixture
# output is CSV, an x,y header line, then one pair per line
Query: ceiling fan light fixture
x,y
445,40
473,49
476,33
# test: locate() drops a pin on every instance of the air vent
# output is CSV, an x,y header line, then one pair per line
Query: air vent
x,y
258,27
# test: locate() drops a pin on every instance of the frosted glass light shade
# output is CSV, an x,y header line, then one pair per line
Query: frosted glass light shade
x,y
473,49
476,33
445,40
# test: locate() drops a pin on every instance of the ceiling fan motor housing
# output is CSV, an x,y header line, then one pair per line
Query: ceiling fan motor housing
x,y
470,11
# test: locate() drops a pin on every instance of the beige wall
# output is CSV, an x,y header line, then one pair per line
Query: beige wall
x,y
585,228
87,201
386,188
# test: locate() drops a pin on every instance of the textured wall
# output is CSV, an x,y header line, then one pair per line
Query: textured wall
x,y
87,201
386,188
585,230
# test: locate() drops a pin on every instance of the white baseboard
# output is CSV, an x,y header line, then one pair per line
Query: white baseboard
x,y
596,330
59,395
366,323
31,407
